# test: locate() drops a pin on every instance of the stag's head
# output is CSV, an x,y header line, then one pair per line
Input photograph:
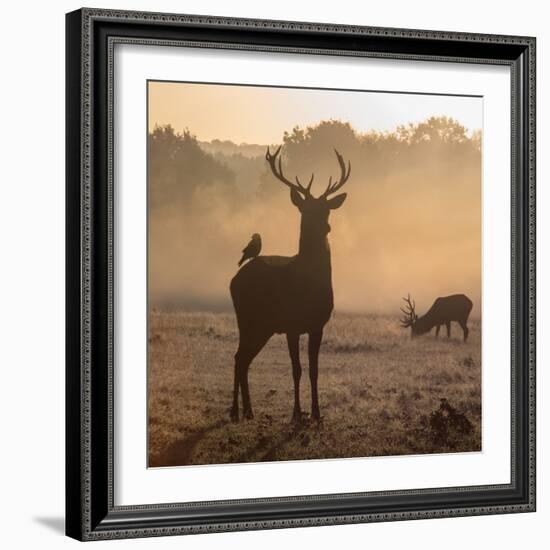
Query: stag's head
x,y
315,210
410,317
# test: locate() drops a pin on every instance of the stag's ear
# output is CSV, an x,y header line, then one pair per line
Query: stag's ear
x,y
336,201
297,199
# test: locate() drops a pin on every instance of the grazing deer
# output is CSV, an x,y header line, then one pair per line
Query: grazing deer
x,y
288,295
444,310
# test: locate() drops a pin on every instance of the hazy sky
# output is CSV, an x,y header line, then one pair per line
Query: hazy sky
x,y
409,225
254,114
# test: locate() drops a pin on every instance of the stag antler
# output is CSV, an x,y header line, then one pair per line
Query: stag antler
x,y
274,161
332,188
410,315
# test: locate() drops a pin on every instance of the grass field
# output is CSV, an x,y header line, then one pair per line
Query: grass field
x,y
380,392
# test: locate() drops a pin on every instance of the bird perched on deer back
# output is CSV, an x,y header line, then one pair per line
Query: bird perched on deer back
x,y
252,249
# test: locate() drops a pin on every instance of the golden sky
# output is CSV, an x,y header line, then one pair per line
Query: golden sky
x,y
255,114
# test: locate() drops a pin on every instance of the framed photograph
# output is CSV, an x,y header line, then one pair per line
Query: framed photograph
x,y
300,274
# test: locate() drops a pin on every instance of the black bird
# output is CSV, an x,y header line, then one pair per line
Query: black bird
x,y
252,249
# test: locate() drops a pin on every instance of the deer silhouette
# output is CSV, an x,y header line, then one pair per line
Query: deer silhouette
x,y
288,295
444,310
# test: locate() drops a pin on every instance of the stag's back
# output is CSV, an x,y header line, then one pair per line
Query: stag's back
x,y
456,307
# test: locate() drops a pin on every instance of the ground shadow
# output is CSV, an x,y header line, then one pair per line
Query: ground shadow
x,y
267,449
56,524
180,452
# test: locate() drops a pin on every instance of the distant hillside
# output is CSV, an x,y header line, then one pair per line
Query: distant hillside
x,y
228,148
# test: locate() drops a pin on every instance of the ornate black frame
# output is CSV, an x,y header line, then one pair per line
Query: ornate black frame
x,y
90,510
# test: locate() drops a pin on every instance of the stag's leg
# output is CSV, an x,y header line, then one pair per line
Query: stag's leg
x,y
250,345
437,330
247,407
313,349
235,407
448,325
465,329
293,341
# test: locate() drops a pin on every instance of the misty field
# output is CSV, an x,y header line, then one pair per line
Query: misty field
x,y
381,392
